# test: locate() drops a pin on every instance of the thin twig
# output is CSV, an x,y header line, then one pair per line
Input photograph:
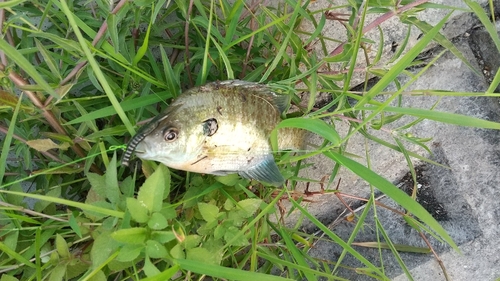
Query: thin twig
x,y
440,262
30,212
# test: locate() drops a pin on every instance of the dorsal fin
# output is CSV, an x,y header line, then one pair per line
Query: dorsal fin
x,y
281,102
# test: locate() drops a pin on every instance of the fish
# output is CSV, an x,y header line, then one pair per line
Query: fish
x,y
219,128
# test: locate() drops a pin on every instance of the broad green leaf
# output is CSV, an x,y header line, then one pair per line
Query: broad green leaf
x,y
233,237
177,252
135,235
165,275
168,211
15,199
11,239
191,241
58,272
138,211
129,252
149,268
62,247
97,188
209,212
151,192
41,205
157,221
203,255
112,189
102,248
156,250
248,207
228,180
6,277
127,187
98,276
163,236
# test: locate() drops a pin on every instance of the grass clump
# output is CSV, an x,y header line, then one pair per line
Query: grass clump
x,y
77,79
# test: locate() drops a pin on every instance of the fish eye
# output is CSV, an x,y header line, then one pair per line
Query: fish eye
x,y
170,134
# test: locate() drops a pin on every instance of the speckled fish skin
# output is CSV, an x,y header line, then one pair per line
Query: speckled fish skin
x,y
219,128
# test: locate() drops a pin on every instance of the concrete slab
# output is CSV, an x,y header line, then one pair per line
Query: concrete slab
x,y
463,198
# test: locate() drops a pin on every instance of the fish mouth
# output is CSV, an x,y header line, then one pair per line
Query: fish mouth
x,y
135,145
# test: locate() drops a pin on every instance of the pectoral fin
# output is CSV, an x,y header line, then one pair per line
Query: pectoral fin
x,y
265,171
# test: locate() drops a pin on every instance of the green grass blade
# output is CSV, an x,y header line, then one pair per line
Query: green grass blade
x,y
10,4
444,117
225,59
394,193
393,250
336,238
96,68
284,44
11,253
14,54
144,47
205,62
257,31
294,266
172,80
492,31
127,105
443,41
296,253
403,63
225,272
57,200
316,126
8,139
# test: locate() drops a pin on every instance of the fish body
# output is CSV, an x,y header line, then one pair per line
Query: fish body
x,y
219,128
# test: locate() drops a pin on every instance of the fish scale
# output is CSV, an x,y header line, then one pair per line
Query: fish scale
x,y
219,128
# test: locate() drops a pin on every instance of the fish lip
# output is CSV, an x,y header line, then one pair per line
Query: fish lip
x,y
136,140
132,146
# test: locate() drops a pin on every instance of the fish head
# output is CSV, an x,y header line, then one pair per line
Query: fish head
x,y
172,139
